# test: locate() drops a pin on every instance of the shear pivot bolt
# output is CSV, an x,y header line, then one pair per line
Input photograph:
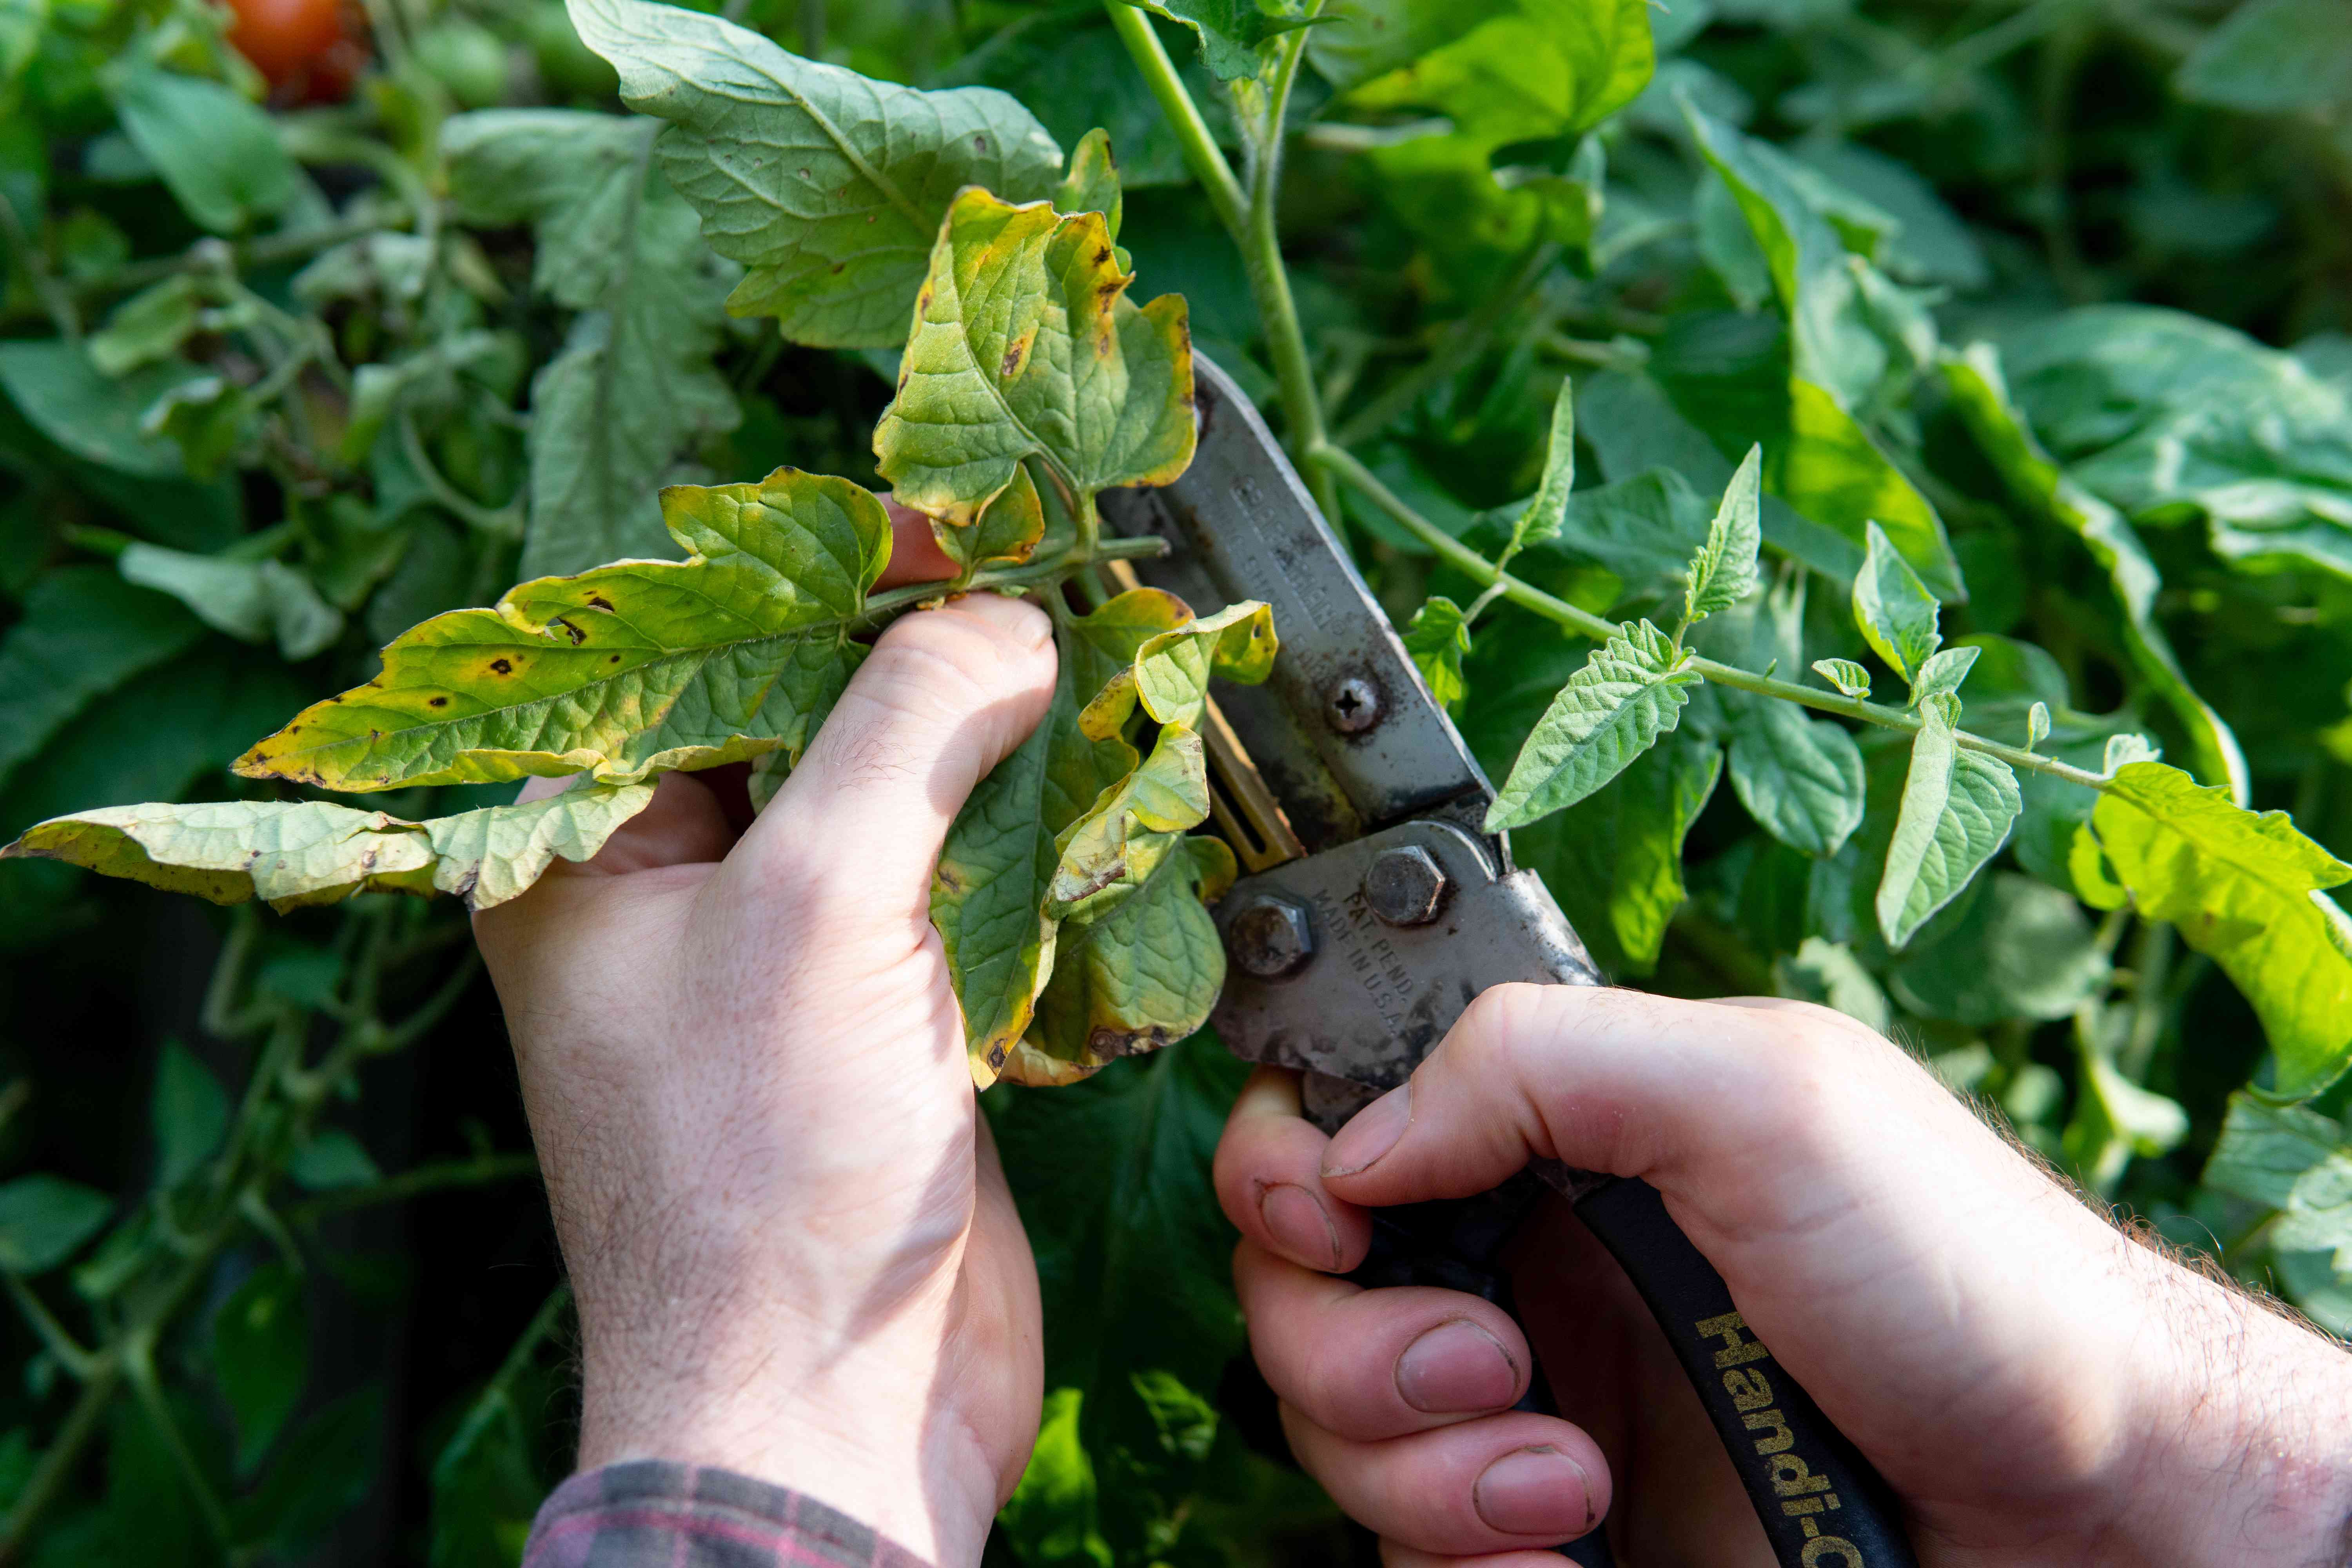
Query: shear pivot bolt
x,y
1352,705
1270,937
1404,886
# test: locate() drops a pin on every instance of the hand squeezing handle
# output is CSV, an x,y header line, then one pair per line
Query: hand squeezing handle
x,y
1820,1503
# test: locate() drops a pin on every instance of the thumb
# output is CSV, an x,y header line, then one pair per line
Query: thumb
x,y
944,697
1713,1103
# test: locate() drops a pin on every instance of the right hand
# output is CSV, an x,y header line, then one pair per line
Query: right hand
x,y
2035,1385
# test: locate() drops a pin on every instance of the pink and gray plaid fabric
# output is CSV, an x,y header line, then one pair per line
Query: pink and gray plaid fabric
x,y
651,1513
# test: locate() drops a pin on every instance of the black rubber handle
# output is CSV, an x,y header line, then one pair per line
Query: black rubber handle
x,y
1821,1504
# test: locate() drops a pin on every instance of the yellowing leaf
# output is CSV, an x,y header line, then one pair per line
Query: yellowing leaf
x,y
1169,675
1143,976
293,853
2244,889
626,671
1107,853
1024,344
1630,693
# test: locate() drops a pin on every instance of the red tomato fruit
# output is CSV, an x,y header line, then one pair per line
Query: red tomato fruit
x,y
307,50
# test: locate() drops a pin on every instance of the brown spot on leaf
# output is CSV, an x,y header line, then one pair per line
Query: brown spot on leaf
x,y
574,633
502,667
980,143
602,602
614,659
1102,256
1012,366
438,703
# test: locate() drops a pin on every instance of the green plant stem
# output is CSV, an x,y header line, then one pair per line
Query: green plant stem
x,y
883,605
57,1461
1461,345
1248,217
1294,370
485,1407
1201,154
53,296
140,1369
480,1170
1476,566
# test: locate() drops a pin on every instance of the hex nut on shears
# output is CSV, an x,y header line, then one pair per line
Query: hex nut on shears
x,y
1404,886
1270,936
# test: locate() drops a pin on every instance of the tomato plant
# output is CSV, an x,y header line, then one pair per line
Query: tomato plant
x,y
1874,490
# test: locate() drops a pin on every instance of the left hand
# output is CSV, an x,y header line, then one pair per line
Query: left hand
x,y
793,1249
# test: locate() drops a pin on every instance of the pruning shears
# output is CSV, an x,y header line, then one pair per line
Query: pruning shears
x,y
1375,906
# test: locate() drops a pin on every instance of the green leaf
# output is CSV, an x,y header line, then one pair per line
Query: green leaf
x,y
332,1160
149,326
624,671
1143,975
1828,973
57,388
1799,777
83,633
261,1354
1053,1517
1893,609
1233,33
1072,72
189,1114
1438,639
495,1470
1361,39
1642,531
1528,77
22,23
294,854
1112,1177
2273,56
1024,342
2244,889
207,416
1957,808
1848,676
2037,725
1615,859
2021,949
44,1220
989,892
1843,360
219,153
1975,381
326,1467
1630,693
827,187
1546,510
1941,674
2266,1150
252,601
1092,185
1537,68
1723,572
633,385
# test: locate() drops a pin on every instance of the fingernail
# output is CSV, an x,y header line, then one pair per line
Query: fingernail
x,y
1373,1133
1535,1491
1300,1224
1454,1367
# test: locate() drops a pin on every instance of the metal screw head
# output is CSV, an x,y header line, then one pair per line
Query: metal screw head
x,y
1270,936
1352,705
1404,886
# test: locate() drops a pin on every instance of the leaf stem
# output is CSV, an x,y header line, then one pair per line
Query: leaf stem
x,y
1344,465
60,1458
1201,154
479,1171
883,605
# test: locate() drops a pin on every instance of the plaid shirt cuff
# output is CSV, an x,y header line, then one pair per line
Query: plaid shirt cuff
x,y
653,1513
